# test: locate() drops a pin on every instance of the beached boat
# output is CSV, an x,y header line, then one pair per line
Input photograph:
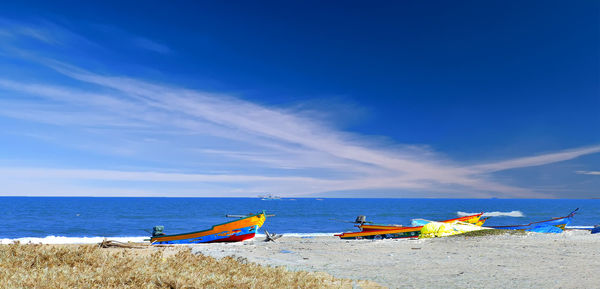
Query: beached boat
x,y
376,231
555,225
440,229
471,219
399,233
234,231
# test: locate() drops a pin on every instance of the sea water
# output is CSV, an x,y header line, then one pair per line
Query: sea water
x,y
89,220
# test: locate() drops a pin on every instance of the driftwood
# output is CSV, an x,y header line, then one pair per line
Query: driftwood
x,y
271,237
112,244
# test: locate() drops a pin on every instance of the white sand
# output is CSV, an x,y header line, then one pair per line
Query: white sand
x,y
567,260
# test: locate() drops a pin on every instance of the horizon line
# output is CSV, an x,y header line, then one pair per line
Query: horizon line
x,y
288,198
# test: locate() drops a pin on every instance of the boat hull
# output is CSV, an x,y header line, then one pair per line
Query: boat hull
x,y
234,231
471,219
400,233
541,226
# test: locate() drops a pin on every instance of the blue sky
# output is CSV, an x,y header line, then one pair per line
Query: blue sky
x,y
470,99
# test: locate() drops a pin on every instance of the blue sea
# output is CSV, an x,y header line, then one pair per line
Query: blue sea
x,y
83,219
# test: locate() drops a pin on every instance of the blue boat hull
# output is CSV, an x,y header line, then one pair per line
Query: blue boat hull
x,y
556,225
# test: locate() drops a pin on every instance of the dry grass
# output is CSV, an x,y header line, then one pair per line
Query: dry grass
x,y
87,266
490,232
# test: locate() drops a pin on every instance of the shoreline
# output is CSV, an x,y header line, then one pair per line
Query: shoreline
x,y
65,240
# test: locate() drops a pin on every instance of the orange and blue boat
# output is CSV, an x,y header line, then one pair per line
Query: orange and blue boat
x,y
378,231
239,230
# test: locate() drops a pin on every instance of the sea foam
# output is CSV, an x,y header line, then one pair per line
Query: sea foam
x,y
580,227
303,234
96,240
516,214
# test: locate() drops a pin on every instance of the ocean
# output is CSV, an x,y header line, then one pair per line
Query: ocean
x,y
89,220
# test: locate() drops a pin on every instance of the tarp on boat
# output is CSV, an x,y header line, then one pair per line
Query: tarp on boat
x,y
439,229
546,229
419,222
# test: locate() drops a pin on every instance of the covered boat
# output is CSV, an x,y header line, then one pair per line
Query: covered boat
x,y
234,231
555,225
441,229
471,219
376,231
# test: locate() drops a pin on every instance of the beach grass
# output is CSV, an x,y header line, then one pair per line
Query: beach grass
x,y
88,266
490,232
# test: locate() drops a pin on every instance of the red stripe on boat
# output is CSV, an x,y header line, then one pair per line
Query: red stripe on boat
x,y
234,238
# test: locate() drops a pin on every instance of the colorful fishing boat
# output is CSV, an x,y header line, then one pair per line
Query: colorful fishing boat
x,y
555,225
234,231
376,231
471,219
399,233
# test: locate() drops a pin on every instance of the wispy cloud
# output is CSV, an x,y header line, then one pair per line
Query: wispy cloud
x,y
151,45
225,144
43,31
595,173
12,30
537,160
49,33
349,161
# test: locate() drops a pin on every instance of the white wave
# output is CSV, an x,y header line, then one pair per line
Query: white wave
x,y
516,214
580,227
70,240
302,234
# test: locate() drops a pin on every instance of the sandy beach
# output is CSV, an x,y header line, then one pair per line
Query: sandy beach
x,y
533,260
528,260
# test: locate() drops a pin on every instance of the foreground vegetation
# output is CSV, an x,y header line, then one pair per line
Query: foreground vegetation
x,y
490,232
87,266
